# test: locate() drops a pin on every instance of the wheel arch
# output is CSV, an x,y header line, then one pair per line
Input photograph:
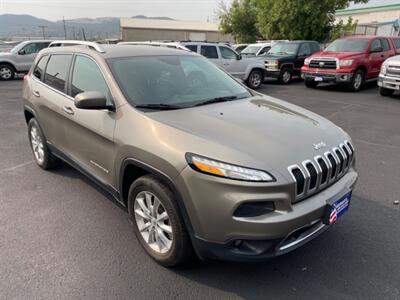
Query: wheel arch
x,y
132,169
8,63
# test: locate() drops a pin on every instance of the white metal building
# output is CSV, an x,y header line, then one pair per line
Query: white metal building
x,y
134,29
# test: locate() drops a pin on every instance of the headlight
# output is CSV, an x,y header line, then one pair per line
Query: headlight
x,y
272,64
222,169
384,69
346,63
307,61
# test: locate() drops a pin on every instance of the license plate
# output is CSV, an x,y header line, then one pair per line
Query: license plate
x,y
337,209
318,79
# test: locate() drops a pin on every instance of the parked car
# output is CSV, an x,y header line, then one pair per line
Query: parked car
x,y
259,48
285,59
389,77
351,61
251,71
239,47
20,58
199,160
175,45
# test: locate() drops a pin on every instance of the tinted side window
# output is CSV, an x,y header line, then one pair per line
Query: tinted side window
x,y
315,47
304,49
227,53
209,51
192,47
375,44
396,43
264,50
87,77
40,67
57,71
385,45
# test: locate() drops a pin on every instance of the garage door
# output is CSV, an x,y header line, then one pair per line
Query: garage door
x,y
197,36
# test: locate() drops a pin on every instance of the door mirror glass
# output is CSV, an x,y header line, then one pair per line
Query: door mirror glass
x,y
92,100
22,52
239,57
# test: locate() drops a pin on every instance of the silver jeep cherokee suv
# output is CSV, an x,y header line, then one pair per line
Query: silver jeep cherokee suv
x,y
200,161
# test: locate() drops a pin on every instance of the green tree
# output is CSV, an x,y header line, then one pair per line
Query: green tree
x,y
298,19
239,20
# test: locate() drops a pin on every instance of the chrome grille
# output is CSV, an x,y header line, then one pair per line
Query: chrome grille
x,y
393,70
311,176
323,63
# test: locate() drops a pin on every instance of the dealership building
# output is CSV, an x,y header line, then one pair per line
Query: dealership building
x,y
373,19
136,29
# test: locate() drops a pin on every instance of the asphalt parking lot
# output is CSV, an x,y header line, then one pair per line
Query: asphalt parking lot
x,y
63,238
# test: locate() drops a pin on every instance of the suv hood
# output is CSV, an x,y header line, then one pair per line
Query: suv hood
x,y
264,129
5,54
339,55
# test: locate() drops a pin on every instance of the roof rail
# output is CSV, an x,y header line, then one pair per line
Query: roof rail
x,y
65,43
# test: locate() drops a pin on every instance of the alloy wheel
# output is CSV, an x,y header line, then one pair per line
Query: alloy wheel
x,y
37,144
358,81
153,222
5,73
255,79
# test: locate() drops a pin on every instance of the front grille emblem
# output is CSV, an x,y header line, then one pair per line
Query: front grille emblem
x,y
321,64
319,145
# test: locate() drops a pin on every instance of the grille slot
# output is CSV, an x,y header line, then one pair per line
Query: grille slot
x,y
312,171
332,160
300,180
323,64
324,170
347,153
341,160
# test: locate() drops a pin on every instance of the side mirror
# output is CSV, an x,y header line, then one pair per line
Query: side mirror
x,y
92,100
239,57
22,52
377,49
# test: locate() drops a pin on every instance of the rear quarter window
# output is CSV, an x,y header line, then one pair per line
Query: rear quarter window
x,y
209,52
38,71
57,71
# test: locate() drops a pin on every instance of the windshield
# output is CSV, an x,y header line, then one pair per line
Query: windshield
x,y
251,50
284,48
179,81
359,45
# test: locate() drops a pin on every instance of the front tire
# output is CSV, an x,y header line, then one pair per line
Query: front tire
x,y
157,222
286,76
357,82
255,79
41,152
7,72
385,92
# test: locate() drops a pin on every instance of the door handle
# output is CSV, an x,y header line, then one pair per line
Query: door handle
x,y
36,94
68,110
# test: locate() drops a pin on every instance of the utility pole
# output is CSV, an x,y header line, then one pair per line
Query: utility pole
x,y
83,34
43,31
65,29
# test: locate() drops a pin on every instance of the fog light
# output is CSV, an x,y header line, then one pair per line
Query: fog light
x,y
254,209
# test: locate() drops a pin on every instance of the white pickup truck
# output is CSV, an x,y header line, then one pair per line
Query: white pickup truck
x,y
252,71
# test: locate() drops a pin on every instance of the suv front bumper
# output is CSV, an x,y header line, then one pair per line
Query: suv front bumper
x,y
211,203
387,82
328,77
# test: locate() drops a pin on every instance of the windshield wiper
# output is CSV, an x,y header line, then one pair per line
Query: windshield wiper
x,y
159,106
217,100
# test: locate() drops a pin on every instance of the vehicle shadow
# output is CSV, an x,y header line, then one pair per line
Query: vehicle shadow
x,y
336,265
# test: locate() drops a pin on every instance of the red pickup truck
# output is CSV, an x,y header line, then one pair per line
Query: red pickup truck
x,y
350,60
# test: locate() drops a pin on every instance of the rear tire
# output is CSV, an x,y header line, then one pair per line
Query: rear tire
x,y
310,84
166,241
286,75
385,92
357,82
255,79
41,152
7,72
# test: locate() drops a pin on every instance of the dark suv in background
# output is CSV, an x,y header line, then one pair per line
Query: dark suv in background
x,y
285,59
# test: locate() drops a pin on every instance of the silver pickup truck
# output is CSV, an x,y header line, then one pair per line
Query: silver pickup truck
x,y
389,77
20,58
